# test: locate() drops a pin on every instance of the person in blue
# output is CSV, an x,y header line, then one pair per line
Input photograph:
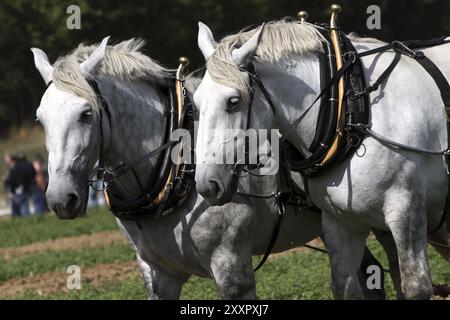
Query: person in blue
x,y
18,183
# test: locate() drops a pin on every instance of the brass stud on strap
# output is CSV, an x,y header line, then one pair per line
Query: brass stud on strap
x,y
302,15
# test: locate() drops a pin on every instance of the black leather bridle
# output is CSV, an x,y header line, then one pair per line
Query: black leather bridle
x,y
104,108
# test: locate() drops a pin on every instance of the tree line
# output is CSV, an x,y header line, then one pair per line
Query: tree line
x,y
170,29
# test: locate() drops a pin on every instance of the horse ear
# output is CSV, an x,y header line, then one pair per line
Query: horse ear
x,y
90,65
205,40
243,55
42,64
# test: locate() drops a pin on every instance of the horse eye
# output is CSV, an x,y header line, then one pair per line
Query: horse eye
x,y
232,103
86,115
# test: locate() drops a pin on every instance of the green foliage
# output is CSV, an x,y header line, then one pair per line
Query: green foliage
x,y
18,232
170,27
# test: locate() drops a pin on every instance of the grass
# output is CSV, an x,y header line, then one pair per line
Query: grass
x,y
292,276
289,277
18,232
49,261
132,289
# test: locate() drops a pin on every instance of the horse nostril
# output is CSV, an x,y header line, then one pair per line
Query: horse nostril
x,y
214,187
72,201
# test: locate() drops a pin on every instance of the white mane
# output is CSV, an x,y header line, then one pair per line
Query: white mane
x,y
123,61
279,39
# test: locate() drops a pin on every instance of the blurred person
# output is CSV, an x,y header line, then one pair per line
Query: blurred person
x,y
39,187
18,183
10,162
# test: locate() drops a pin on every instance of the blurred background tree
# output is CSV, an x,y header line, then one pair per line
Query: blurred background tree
x,y
170,29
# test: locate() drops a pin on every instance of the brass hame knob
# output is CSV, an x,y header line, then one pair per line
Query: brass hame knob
x,y
302,15
181,68
184,61
336,8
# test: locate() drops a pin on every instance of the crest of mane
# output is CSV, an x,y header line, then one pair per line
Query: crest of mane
x,y
279,39
124,61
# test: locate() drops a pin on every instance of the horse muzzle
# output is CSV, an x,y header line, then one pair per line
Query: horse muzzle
x,y
215,192
67,205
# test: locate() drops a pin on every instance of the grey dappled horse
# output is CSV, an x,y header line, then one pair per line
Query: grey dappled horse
x,y
397,193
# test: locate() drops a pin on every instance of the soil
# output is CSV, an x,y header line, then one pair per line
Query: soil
x,y
56,282
68,243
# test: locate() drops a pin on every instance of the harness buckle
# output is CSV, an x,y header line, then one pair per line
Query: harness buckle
x,y
353,140
282,200
351,55
402,48
353,94
280,203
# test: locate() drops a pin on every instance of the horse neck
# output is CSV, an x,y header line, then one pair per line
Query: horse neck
x,y
293,84
137,123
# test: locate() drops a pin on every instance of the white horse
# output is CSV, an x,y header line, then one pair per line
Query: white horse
x,y
194,239
399,192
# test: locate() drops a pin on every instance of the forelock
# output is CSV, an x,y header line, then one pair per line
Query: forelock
x,y
279,39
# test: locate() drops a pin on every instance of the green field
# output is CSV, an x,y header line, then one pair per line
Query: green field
x,y
18,232
295,275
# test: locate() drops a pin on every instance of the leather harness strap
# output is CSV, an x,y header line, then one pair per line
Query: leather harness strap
x,y
381,79
444,88
104,108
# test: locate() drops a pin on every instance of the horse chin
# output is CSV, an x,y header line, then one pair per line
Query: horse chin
x,y
219,201
64,214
